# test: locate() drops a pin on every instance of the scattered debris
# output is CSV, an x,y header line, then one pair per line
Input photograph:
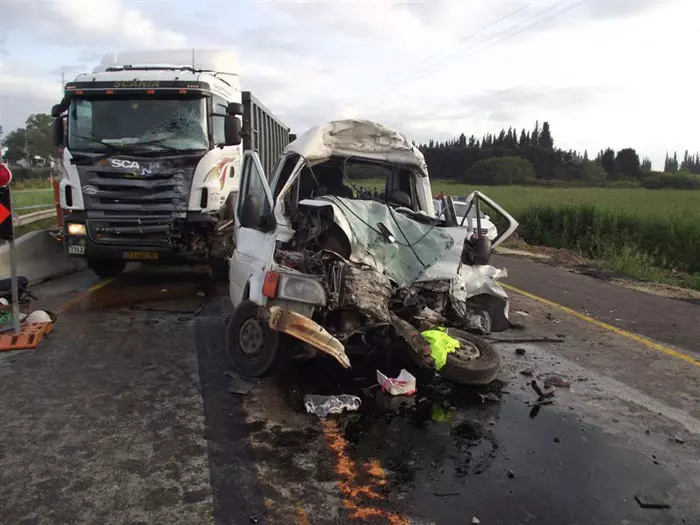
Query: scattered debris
x,y
557,381
239,385
200,293
542,394
557,439
678,439
522,312
445,494
510,473
553,319
519,351
322,406
489,396
647,502
402,385
526,340
475,520
528,372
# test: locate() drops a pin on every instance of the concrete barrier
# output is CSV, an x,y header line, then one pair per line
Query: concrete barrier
x,y
39,257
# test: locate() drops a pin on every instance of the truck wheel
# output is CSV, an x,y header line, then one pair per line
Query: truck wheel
x,y
250,343
107,268
475,362
219,270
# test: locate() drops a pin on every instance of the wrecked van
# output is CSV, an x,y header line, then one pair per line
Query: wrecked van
x,y
321,267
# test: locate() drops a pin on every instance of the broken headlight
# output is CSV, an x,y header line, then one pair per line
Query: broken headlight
x,y
293,288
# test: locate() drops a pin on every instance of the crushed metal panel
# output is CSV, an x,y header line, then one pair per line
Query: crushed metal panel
x,y
366,290
417,246
356,138
309,331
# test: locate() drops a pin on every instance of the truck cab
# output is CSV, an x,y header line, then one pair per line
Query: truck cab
x,y
152,143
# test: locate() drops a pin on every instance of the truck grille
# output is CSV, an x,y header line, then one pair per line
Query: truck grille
x,y
133,206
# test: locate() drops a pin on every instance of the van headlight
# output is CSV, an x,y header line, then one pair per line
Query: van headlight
x,y
294,288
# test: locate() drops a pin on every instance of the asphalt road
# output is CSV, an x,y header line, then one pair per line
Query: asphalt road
x,y
122,416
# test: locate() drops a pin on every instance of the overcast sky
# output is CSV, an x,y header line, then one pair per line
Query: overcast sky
x,y
603,73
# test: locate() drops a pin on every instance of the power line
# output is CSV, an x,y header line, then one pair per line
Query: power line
x,y
461,40
537,20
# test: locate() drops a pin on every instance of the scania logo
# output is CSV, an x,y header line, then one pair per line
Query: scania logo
x,y
124,163
90,190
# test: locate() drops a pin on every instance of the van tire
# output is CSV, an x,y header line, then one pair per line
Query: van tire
x,y
251,345
475,372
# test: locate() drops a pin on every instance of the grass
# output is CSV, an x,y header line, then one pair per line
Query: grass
x,y
649,234
31,197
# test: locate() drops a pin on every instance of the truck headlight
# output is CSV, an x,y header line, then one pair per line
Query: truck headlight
x,y
76,229
293,288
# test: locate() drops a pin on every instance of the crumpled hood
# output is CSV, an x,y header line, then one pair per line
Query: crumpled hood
x,y
420,251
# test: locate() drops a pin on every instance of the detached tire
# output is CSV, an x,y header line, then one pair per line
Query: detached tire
x,y
251,345
475,363
107,268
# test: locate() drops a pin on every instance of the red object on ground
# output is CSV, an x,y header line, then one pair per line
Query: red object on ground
x,y
5,175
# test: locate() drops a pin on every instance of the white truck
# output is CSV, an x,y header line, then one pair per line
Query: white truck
x,y
344,274
152,144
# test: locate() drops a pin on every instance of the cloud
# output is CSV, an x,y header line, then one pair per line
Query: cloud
x,y
602,73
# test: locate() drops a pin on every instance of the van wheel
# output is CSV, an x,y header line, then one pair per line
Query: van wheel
x,y
475,362
250,343
107,268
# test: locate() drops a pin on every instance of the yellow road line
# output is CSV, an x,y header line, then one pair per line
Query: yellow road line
x,y
82,295
614,329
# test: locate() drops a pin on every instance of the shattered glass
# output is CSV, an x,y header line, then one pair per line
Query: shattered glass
x,y
398,246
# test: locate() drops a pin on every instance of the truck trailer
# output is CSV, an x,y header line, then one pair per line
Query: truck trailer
x,y
151,146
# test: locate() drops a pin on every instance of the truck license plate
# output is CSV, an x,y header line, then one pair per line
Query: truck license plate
x,y
141,255
76,249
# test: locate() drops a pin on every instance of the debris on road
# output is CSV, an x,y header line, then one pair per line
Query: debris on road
x,y
322,406
402,385
548,392
522,312
557,381
489,396
519,351
528,372
678,439
646,502
239,385
475,520
553,319
445,494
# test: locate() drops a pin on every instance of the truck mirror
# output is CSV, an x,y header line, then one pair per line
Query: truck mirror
x,y
58,132
234,108
232,130
56,110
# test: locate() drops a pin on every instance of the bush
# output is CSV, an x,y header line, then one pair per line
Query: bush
x,y
20,173
502,171
671,241
682,180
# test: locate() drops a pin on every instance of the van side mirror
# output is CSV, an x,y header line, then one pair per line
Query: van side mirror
x,y
234,108
56,110
232,130
58,132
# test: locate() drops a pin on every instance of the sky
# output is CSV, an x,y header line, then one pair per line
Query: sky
x,y
602,73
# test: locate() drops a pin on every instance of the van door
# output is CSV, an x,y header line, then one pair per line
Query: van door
x,y
255,244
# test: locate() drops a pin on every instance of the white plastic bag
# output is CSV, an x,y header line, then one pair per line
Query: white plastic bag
x,y
403,385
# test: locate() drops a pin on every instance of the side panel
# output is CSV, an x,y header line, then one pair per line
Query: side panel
x,y
217,173
263,132
70,182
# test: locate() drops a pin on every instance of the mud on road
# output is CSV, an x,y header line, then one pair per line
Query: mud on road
x,y
123,416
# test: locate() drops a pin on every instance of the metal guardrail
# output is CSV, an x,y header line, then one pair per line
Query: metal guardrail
x,y
23,220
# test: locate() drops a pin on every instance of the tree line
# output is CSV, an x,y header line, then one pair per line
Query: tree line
x,y
529,156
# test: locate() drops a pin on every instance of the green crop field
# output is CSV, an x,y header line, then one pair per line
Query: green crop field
x,y
650,234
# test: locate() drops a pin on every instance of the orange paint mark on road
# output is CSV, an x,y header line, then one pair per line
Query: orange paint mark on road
x,y
358,494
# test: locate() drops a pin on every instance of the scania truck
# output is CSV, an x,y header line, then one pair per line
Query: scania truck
x,y
150,147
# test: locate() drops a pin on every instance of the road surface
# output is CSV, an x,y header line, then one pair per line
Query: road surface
x,y
123,416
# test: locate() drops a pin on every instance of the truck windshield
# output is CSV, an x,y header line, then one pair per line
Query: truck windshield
x,y
149,124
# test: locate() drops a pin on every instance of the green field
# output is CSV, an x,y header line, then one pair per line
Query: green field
x,y
21,198
650,234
